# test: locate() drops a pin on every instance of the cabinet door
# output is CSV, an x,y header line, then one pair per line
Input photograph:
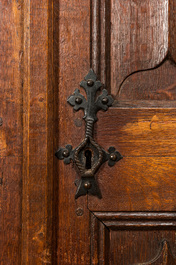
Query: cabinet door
x,y
134,222
133,53
47,48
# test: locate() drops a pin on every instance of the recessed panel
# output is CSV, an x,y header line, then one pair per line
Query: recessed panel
x,y
138,247
139,37
123,238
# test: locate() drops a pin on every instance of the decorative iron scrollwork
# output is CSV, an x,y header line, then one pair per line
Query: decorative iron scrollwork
x,y
89,156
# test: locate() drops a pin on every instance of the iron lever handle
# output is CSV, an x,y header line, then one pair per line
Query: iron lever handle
x,y
88,155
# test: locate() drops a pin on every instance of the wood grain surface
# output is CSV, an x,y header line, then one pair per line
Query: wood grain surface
x,y
154,84
135,36
137,45
11,131
47,47
38,125
136,60
73,62
144,180
132,238
138,132
41,46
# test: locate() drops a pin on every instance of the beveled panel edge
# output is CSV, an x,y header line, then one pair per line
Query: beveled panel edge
x,y
99,241
130,220
103,222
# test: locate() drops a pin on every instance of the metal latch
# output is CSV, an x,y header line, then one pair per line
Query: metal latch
x,y
88,155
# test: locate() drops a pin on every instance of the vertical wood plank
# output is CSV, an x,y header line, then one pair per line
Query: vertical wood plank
x,y
38,133
10,131
73,64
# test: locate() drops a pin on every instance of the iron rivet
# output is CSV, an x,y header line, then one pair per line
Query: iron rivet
x,y
90,82
113,156
65,153
104,100
87,185
79,212
78,100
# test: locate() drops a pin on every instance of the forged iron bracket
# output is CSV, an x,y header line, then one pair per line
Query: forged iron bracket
x,y
88,155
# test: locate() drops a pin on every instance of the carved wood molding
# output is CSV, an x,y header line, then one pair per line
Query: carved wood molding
x,y
125,220
103,223
99,242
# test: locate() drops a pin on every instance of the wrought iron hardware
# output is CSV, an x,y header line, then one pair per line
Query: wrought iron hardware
x,y
89,156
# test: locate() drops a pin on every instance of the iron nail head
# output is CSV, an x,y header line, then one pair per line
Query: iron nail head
x,y
87,185
65,153
78,100
105,100
90,82
113,157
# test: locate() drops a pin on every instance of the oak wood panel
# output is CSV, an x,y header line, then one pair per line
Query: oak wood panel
x,y
72,31
142,247
38,244
156,84
10,131
144,180
123,43
137,184
10,208
155,81
134,44
138,132
119,193
129,238
55,57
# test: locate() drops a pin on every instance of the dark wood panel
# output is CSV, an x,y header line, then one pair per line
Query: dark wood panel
x,y
141,247
134,44
10,131
156,84
72,31
38,241
137,184
145,178
114,241
10,209
138,131
123,43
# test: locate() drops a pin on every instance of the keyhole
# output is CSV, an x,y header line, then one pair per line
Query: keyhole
x,y
88,155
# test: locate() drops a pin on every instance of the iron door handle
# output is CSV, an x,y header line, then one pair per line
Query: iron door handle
x,y
88,155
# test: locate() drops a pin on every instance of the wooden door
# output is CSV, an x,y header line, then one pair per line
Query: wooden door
x,y
47,47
